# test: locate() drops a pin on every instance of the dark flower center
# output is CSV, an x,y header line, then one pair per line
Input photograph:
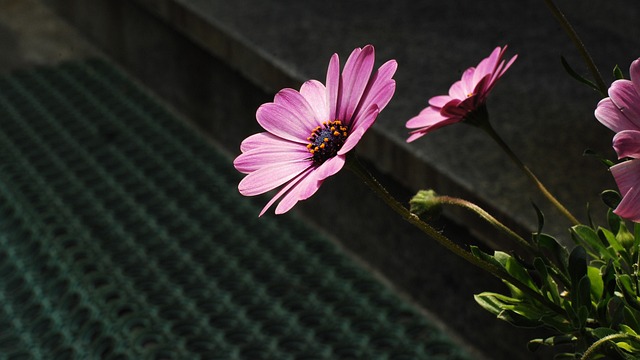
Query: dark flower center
x,y
326,140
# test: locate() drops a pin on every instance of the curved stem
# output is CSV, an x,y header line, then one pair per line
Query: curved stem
x,y
592,350
488,218
489,129
356,167
501,227
579,44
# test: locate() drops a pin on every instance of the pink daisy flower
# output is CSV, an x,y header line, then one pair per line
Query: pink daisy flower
x,y
620,112
309,132
466,96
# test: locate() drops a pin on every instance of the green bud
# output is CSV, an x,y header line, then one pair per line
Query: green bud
x,y
624,237
426,203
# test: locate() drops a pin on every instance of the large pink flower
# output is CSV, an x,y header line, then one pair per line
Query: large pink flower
x,y
620,112
465,96
309,132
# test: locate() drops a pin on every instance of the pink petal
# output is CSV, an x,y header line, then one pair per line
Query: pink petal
x,y
504,69
259,140
285,189
316,95
270,177
255,159
333,85
427,118
627,144
364,123
624,96
281,122
627,175
468,82
380,89
366,119
355,77
634,73
299,107
488,65
308,186
610,116
457,108
440,100
459,90
464,107
330,167
414,135
629,207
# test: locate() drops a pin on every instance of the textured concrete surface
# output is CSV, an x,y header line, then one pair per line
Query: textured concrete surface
x,y
32,35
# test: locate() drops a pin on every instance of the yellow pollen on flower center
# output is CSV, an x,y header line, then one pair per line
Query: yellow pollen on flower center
x,y
326,140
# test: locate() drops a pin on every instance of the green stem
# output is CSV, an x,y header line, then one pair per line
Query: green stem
x,y
358,169
488,218
579,45
592,351
494,135
501,227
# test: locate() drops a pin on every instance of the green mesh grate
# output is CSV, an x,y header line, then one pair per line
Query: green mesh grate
x,y
122,236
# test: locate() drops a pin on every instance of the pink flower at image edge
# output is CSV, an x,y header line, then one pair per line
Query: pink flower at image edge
x,y
309,132
620,112
465,96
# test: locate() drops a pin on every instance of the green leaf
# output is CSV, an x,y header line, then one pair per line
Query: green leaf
x,y
614,221
475,251
630,321
549,286
565,356
555,251
597,285
519,312
611,239
627,330
583,315
571,314
608,163
617,73
518,320
587,237
577,265
601,332
611,198
628,290
577,76
515,269
534,344
615,309
540,216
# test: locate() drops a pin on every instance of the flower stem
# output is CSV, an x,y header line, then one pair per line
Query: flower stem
x,y
486,126
488,218
358,169
566,25
592,350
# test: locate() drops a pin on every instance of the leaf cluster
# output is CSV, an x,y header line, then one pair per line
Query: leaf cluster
x,y
589,296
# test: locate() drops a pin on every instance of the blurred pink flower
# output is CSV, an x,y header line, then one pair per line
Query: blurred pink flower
x,y
309,132
465,96
620,112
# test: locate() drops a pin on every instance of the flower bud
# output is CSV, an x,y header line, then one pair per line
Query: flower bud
x,y
624,237
425,203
